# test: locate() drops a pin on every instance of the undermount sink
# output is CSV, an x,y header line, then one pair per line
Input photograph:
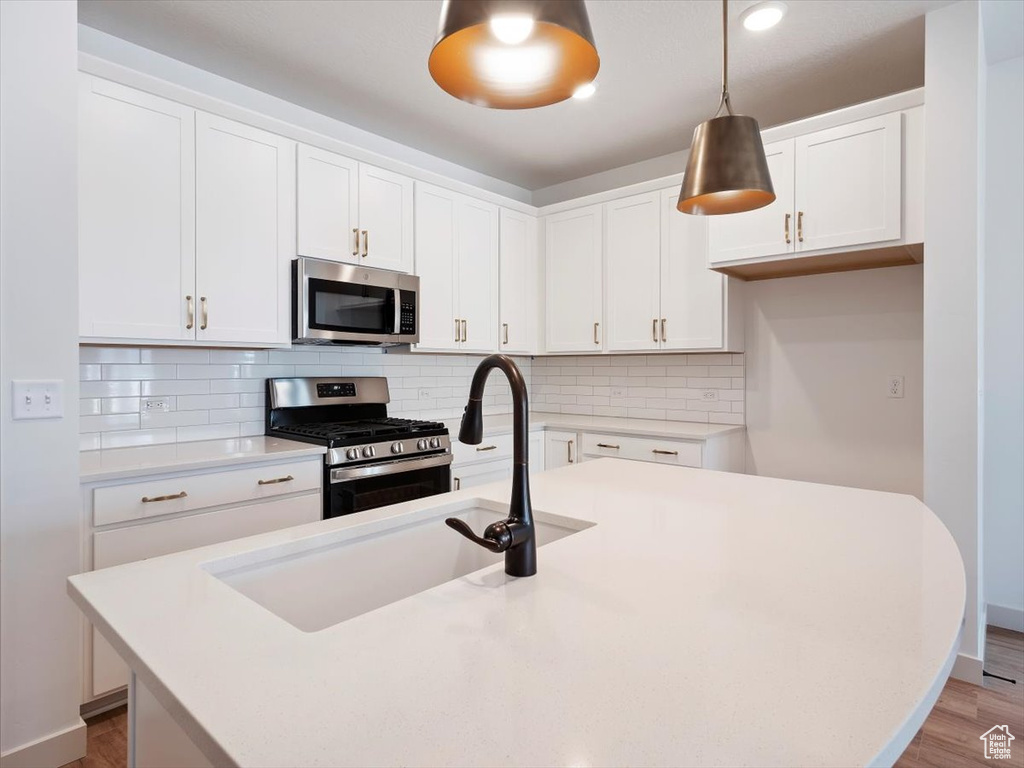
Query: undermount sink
x,y
356,570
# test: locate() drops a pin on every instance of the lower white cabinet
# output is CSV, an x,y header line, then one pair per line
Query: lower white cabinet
x,y
724,452
560,449
128,540
491,460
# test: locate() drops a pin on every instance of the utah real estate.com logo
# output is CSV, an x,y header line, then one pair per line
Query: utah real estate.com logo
x,y
997,742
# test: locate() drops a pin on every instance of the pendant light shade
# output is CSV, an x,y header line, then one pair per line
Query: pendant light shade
x,y
727,171
513,54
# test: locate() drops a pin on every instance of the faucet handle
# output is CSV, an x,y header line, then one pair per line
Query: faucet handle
x,y
497,537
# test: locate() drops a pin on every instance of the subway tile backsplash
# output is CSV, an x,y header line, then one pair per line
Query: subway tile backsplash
x,y
143,396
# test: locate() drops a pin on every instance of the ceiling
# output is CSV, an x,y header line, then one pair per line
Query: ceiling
x,y
365,62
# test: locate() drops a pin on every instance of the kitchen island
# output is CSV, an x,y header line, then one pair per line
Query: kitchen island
x,y
684,617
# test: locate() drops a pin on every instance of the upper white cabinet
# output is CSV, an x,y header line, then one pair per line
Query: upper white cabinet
x,y
245,228
457,263
660,293
136,214
353,212
572,259
517,255
844,196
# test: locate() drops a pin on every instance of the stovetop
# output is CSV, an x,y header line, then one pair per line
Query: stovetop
x,y
336,434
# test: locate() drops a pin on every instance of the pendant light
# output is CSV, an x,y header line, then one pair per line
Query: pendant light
x,y
727,171
513,54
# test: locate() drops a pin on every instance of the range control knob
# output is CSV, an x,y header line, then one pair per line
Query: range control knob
x,y
352,453
397,448
421,444
368,452
435,443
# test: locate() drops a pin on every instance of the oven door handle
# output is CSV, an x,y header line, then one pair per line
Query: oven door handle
x,y
341,474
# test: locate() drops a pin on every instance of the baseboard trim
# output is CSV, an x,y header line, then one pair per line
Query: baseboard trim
x,y
1005,618
968,668
56,749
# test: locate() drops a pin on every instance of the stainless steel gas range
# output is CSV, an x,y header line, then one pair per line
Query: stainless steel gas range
x,y
372,460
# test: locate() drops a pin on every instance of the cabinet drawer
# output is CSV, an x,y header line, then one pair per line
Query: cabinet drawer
x,y
680,452
139,542
120,503
491,449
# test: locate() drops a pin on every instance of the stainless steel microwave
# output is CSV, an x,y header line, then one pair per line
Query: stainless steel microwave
x,y
334,303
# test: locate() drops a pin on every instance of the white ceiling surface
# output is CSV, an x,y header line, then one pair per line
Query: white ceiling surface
x,y
365,62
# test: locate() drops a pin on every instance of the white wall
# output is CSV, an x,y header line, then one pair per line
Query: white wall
x,y
39,500
1003,318
819,350
954,139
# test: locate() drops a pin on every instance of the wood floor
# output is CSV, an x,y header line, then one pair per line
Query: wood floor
x,y
948,739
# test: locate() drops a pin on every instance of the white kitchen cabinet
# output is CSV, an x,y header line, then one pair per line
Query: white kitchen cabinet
x,y
633,262
245,232
457,263
224,505
353,212
766,231
136,213
848,184
560,449
517,255
492,460
573,268
328,205
386,218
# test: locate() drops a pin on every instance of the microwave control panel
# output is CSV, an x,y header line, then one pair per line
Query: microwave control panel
x,y
407,315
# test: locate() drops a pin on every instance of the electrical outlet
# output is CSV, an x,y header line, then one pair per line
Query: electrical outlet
x,y
156,406
709,395
425,394
618,392
894,387
37,399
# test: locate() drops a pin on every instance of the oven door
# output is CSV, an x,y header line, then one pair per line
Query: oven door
x,y
346,303
357,489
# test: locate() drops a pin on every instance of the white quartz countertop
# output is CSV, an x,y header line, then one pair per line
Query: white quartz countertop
x,y
706,618
119,463
681,430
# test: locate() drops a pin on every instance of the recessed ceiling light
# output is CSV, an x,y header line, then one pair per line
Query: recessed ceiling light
x,y
512,28
585,91
762,16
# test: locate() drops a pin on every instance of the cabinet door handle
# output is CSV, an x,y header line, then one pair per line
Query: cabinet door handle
x,y
487,448
504,328
800,226
169,497
664,337
788,217
206,313
596,327
457,337
654,330
355,233
457,484
464,324
190,309
366,244
608,445
568,446
665,453
276,480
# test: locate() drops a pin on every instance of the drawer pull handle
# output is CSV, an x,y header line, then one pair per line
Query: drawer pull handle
x,y
569,446
285,479
169,497
665,453
487,448
608,445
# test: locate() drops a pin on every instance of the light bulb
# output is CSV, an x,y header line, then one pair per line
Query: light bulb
x,y
511,28
763,16
584,91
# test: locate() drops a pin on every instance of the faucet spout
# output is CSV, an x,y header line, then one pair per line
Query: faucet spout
x,y
515,536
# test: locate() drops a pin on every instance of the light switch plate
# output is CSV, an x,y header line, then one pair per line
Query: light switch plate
x,y
37,399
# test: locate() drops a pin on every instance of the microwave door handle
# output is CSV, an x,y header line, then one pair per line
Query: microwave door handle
x,y
398,312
